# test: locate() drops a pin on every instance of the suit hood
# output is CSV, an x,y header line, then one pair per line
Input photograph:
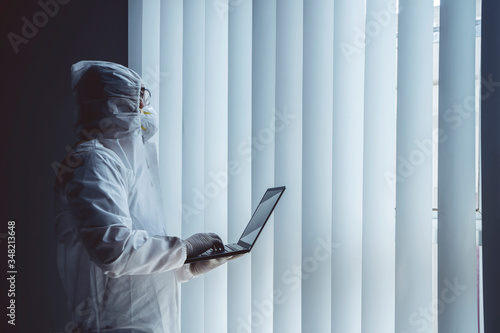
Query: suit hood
x,y
107,100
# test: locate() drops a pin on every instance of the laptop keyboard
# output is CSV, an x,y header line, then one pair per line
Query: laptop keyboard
x,y
232,247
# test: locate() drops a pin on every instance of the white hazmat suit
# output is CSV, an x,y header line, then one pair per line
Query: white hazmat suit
x,y
120,270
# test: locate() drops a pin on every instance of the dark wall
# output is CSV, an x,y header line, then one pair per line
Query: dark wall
x,y
37,112
490,160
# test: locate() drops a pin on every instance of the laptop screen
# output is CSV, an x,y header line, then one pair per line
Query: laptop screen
x,y
261,214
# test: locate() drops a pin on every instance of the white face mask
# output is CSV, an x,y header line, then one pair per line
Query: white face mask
x,y
149,122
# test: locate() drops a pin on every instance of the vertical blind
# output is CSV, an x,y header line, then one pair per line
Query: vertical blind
x,y
258,150
317,164
347,165
334,100
379,159
414,169
457,278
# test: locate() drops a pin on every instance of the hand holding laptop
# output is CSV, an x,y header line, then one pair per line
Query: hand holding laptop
x,y
205,266
201,242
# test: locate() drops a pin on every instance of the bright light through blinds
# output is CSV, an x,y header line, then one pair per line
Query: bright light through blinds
x,y
260,93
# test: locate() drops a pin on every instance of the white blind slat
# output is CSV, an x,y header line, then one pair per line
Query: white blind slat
x,y
378,285
347,179
414,168
239,163
216,161
317,166
170,113
457,262
262,157
288,159
193,153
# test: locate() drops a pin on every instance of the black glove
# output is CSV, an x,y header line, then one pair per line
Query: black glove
x,y
199,243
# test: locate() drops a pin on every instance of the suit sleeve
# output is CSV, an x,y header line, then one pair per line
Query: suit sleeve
x,y
184,273
98,197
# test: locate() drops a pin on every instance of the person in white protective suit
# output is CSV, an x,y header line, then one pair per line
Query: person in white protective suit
x,y
119,268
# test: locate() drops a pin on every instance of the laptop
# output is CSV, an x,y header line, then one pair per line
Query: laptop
x,y
252,230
